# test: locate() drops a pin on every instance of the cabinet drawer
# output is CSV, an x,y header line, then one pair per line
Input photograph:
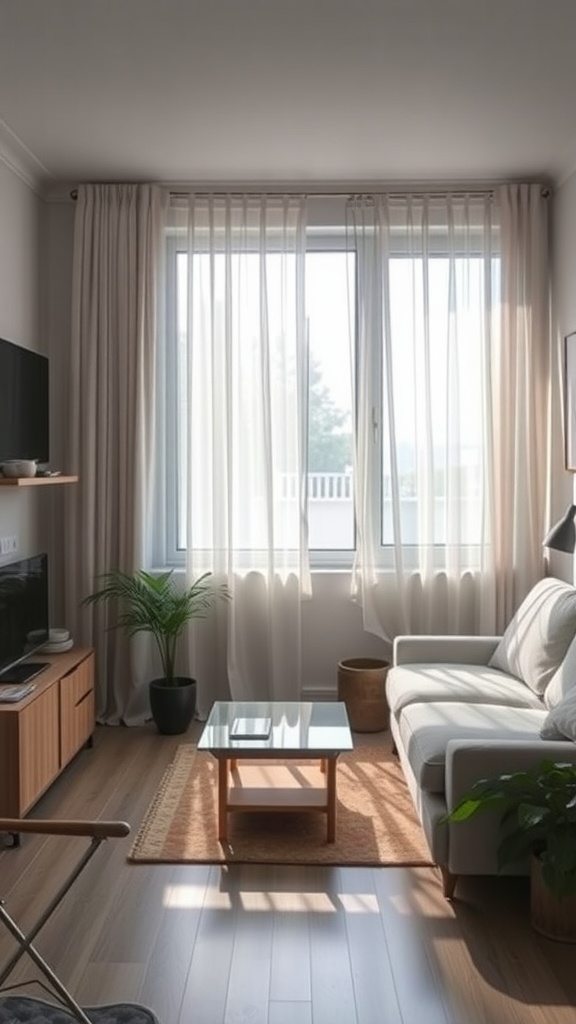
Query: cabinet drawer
x,y
76,708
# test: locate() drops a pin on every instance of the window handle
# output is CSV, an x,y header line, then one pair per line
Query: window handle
x,y
374,425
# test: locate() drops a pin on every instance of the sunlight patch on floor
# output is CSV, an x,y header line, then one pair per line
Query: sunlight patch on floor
x,y
194,897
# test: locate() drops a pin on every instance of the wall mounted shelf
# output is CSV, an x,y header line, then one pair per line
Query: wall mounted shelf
x,y
36,481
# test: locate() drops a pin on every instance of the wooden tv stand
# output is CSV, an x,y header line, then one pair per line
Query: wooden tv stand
x,y
41,734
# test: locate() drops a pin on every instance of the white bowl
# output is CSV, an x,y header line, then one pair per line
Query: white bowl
x,y
19,467
58,636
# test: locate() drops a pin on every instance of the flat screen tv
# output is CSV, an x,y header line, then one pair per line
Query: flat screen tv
x,y
24,414
24,617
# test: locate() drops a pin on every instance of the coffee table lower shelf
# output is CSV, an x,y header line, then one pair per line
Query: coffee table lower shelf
x,y
264,786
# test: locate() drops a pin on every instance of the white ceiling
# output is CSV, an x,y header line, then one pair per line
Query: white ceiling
x,y
287,91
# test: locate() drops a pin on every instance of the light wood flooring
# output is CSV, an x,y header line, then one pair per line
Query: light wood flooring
x,y
271,945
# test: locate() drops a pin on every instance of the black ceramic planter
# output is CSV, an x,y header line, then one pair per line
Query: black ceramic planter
x,y
173,707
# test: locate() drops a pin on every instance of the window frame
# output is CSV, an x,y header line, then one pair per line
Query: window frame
x,y
324,233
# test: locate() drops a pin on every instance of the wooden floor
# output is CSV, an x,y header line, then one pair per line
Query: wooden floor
x,y
271,945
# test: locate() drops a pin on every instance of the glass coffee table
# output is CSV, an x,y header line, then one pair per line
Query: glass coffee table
x,y
246,737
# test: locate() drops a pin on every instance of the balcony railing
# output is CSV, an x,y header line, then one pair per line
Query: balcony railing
x,y
321,486
331,515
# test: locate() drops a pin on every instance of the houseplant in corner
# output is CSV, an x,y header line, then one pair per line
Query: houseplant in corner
x,y
539,818
156,604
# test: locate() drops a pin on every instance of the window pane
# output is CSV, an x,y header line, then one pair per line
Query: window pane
x,y
329,276
436,365
230,351
330,308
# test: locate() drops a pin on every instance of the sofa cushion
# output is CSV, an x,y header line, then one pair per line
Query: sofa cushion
x,y
563,680
560,722
474,684
426,728
538,637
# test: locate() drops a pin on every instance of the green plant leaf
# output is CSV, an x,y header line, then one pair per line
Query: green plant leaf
x,y
157,604
538,816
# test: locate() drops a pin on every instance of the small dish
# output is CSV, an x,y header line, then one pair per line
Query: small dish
x,y
58,636
51,648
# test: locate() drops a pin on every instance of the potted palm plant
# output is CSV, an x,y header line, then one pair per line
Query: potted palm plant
x,y
539,819
156,604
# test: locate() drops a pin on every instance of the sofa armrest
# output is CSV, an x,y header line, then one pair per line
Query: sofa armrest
x,y
470,760
473,844
465,650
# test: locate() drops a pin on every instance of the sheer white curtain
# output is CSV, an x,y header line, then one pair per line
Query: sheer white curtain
x,y
117,249
452,440
237,313
526,448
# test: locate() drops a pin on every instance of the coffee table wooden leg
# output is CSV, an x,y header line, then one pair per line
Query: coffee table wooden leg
x,y
222,799
331,798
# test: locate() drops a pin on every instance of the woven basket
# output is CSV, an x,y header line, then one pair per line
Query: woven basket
x,y
361,685
554,918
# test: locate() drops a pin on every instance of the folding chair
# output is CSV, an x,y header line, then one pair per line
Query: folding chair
x,y
97,832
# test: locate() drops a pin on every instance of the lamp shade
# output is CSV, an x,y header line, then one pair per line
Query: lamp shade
x,y
562,536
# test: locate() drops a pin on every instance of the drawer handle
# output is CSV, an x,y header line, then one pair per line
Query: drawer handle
x,y
83,698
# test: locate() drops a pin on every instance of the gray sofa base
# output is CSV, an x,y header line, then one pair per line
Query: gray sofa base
x,y
443,751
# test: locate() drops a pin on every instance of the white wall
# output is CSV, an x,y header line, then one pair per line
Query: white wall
x,y
332,630
19,322
56,303
564,254
57,235
563,231
35,283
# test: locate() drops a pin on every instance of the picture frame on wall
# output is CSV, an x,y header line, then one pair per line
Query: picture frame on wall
x,y
570,402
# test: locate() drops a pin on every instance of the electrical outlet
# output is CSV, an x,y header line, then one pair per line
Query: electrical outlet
x,y
8,545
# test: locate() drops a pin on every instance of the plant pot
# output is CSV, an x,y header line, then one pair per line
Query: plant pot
x,y
555,918
173,707
361,685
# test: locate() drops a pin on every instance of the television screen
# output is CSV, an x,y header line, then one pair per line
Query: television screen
x,y
24,423
24,618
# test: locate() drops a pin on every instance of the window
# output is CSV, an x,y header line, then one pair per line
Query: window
x,y
427,301
409,307
330,274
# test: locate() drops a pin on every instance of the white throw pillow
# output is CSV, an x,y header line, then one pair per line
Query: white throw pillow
x,y
560,722
563,680
536,641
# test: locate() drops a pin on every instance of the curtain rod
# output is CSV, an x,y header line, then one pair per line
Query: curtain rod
x,y
393,194
326,195
340,195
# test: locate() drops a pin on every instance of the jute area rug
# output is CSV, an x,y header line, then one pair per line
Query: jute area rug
x,y
376,823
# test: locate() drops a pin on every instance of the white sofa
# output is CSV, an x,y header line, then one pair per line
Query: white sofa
x,y
466,708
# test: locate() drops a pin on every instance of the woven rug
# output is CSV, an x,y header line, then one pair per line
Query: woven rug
x,y
376,823
25,1010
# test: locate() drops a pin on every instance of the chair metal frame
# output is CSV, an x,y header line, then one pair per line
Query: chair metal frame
x,y
97,832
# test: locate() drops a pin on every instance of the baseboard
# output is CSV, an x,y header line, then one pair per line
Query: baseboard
x,y
319,693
